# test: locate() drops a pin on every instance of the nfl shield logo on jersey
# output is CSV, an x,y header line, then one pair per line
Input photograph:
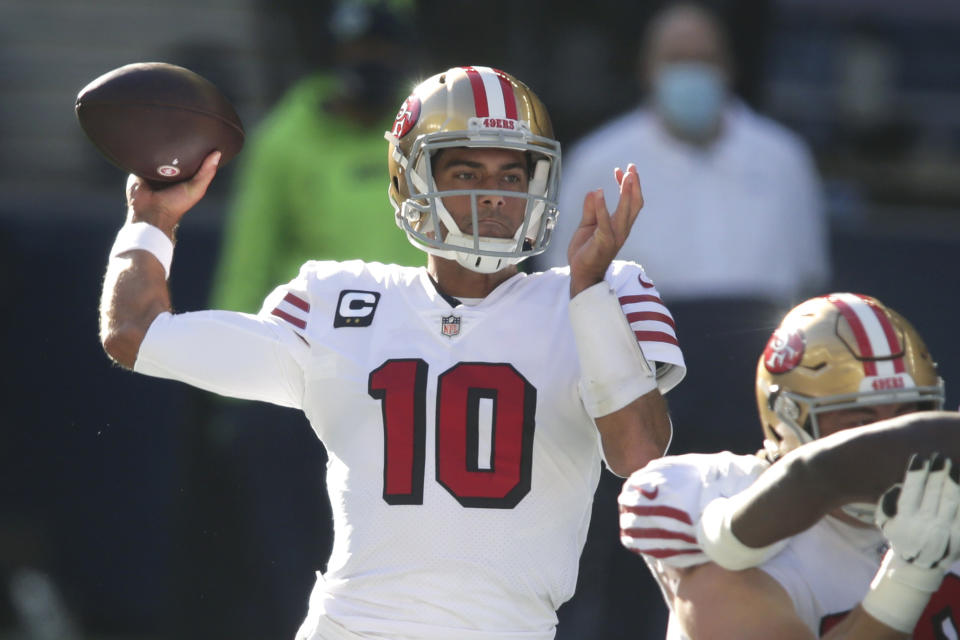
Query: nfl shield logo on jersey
x,y
450,325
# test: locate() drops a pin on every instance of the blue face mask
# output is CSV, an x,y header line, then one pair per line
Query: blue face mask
x,y
690,96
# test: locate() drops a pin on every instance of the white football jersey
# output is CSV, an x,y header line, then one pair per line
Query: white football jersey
x,y
462,464
826,569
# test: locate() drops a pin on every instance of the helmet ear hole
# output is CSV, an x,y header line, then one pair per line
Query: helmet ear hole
x,y
772,395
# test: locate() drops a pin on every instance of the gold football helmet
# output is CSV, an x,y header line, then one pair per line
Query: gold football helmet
x,y
475,107
840,351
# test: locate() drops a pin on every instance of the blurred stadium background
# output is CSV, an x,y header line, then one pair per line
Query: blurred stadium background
x,y
112,525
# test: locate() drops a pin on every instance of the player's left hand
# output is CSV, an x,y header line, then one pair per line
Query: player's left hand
x,y
921,516
921,520
656,520
601,234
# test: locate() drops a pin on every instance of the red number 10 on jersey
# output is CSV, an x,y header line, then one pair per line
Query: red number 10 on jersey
x,y
401,387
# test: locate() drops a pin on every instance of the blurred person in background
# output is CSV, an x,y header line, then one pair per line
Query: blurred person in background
x,y
311,174
846,391
734,232
734,229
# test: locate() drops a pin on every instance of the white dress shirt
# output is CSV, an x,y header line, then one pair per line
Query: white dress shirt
x,y
743,217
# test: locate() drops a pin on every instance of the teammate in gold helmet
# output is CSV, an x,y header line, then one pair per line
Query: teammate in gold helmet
x,y
808,539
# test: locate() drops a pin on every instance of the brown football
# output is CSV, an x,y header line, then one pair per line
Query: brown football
x,y
158,120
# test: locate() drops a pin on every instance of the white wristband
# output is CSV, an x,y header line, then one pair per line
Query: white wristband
x,y
900,592
613,369
715,536
146,237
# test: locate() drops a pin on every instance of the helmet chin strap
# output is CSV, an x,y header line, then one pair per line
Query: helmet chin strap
x,y
474,261
801,434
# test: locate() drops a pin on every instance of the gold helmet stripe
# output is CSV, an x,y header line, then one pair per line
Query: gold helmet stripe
x,y
492,93
874,333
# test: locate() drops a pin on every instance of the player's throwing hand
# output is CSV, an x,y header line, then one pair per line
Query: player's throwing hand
x,y
163,208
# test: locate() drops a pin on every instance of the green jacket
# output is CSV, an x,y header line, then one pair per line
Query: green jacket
x,y
310,185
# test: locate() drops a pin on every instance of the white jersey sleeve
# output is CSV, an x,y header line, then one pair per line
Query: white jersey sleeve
x,y
650,320
661,503
233,354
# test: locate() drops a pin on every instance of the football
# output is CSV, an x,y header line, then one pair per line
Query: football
x,y
158,121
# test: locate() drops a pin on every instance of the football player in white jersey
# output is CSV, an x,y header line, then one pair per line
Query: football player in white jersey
x,y
842,389
465,406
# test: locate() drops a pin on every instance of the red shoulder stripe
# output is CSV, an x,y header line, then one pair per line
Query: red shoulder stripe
x,y
297,322
298,302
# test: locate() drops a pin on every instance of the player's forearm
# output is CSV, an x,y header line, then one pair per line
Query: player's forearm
x,y
635,434
134,294
613,370
135,286
854,465
859,625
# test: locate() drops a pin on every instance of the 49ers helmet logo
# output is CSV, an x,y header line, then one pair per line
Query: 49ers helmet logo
x,y
784,350
407,117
